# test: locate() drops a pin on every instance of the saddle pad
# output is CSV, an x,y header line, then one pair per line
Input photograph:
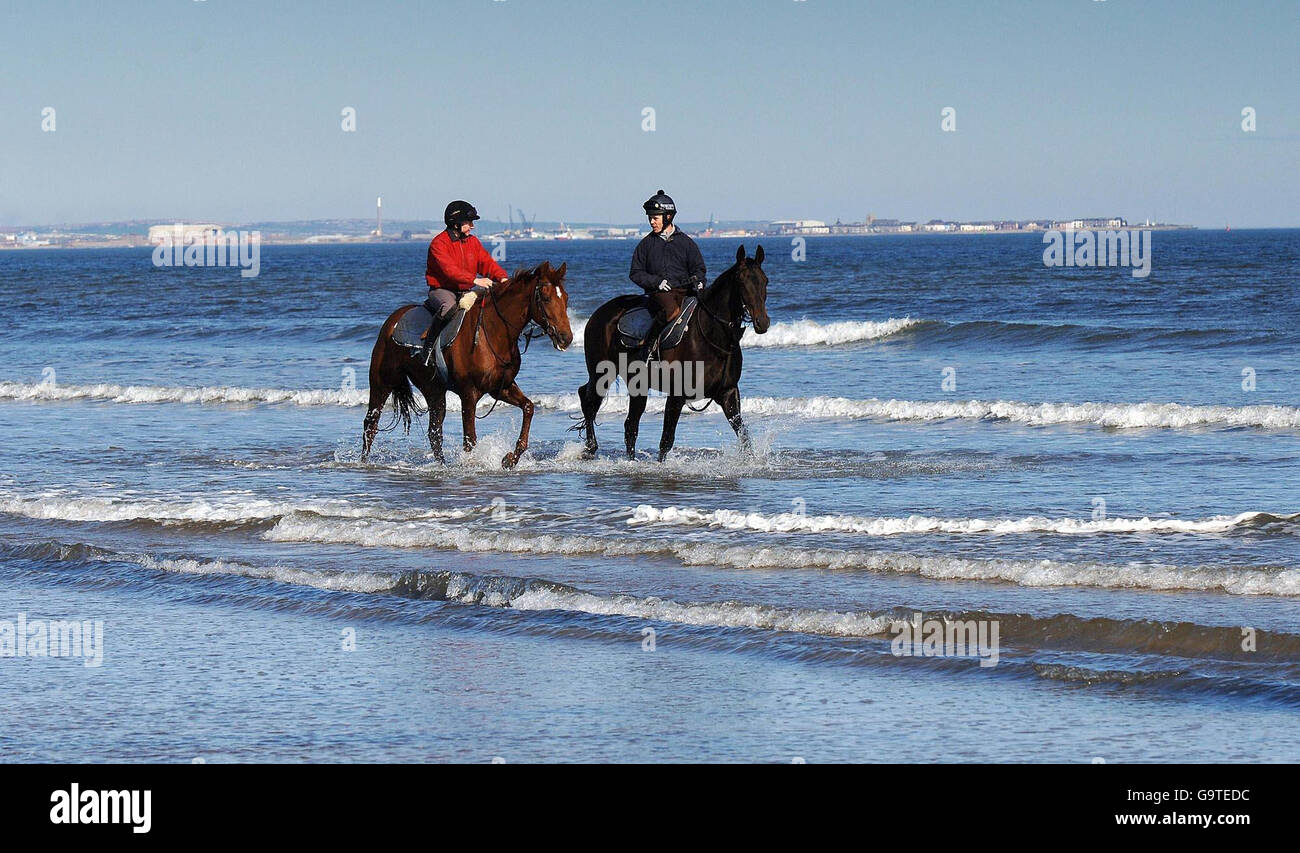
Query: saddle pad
x,y
635,324
415,323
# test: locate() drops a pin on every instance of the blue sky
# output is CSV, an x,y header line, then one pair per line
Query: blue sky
x,y
230,111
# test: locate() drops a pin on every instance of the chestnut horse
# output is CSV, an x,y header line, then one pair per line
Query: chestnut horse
x,y
711,343
484,358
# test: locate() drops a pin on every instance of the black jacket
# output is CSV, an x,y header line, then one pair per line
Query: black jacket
x,y
677,259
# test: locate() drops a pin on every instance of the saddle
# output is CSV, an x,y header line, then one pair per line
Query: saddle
x,y
411,329
635,324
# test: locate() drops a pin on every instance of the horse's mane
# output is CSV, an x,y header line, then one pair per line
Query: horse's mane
x,y
520,274
717,284
524,272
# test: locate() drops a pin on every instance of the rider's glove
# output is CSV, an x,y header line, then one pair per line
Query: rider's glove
x,y
468,299
664,286
699,283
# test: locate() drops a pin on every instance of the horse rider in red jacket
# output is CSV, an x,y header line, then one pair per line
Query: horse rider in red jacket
x,y
458,268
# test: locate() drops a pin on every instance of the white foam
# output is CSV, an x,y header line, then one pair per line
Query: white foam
x,y
224,394
804,333
1116,415
725,614
234,509
1231,579
339,581
791,522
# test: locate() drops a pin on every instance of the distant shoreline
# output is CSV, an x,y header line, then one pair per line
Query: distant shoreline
x,y
141,243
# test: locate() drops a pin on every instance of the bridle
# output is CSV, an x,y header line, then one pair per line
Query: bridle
x,y
534,312
736,325
537,317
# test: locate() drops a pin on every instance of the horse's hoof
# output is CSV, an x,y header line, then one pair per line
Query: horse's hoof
x,y
589,453
509,460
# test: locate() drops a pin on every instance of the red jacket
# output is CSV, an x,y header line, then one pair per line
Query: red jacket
x,y
454,264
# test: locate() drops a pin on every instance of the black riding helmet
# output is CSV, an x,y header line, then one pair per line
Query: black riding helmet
x,y
660,202
457,212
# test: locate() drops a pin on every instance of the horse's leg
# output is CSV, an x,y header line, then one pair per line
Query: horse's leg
x,y
436,398
383,378
730,403
591,400
378,396
672,411
631,426
515,397
469,398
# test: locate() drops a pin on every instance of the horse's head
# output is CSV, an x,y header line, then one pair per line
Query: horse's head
x,y
549,305
753,287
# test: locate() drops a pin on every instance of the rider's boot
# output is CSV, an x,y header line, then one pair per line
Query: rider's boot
x,y
661,322
425,355
649,349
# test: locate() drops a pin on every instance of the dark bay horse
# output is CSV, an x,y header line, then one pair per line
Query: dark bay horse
x,y
710,350
484,358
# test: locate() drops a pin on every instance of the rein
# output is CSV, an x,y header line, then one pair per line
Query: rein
x,y
736,326
514,336
533,301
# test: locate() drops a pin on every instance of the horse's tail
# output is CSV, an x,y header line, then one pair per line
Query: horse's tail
x,y
580,427
404,399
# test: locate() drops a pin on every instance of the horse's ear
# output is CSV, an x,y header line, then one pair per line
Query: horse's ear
x,y
758,255
544,268
559,274
740,253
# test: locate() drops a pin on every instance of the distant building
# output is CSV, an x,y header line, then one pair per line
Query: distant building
x,y
799,226
180,233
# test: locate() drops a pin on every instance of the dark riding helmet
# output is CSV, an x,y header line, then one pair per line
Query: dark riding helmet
x,y
457,212
660,202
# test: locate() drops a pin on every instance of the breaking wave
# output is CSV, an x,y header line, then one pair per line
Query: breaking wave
x,y
793,522
234,510
239,509
1059,632
1237,580
224,394
805,333
1149,415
